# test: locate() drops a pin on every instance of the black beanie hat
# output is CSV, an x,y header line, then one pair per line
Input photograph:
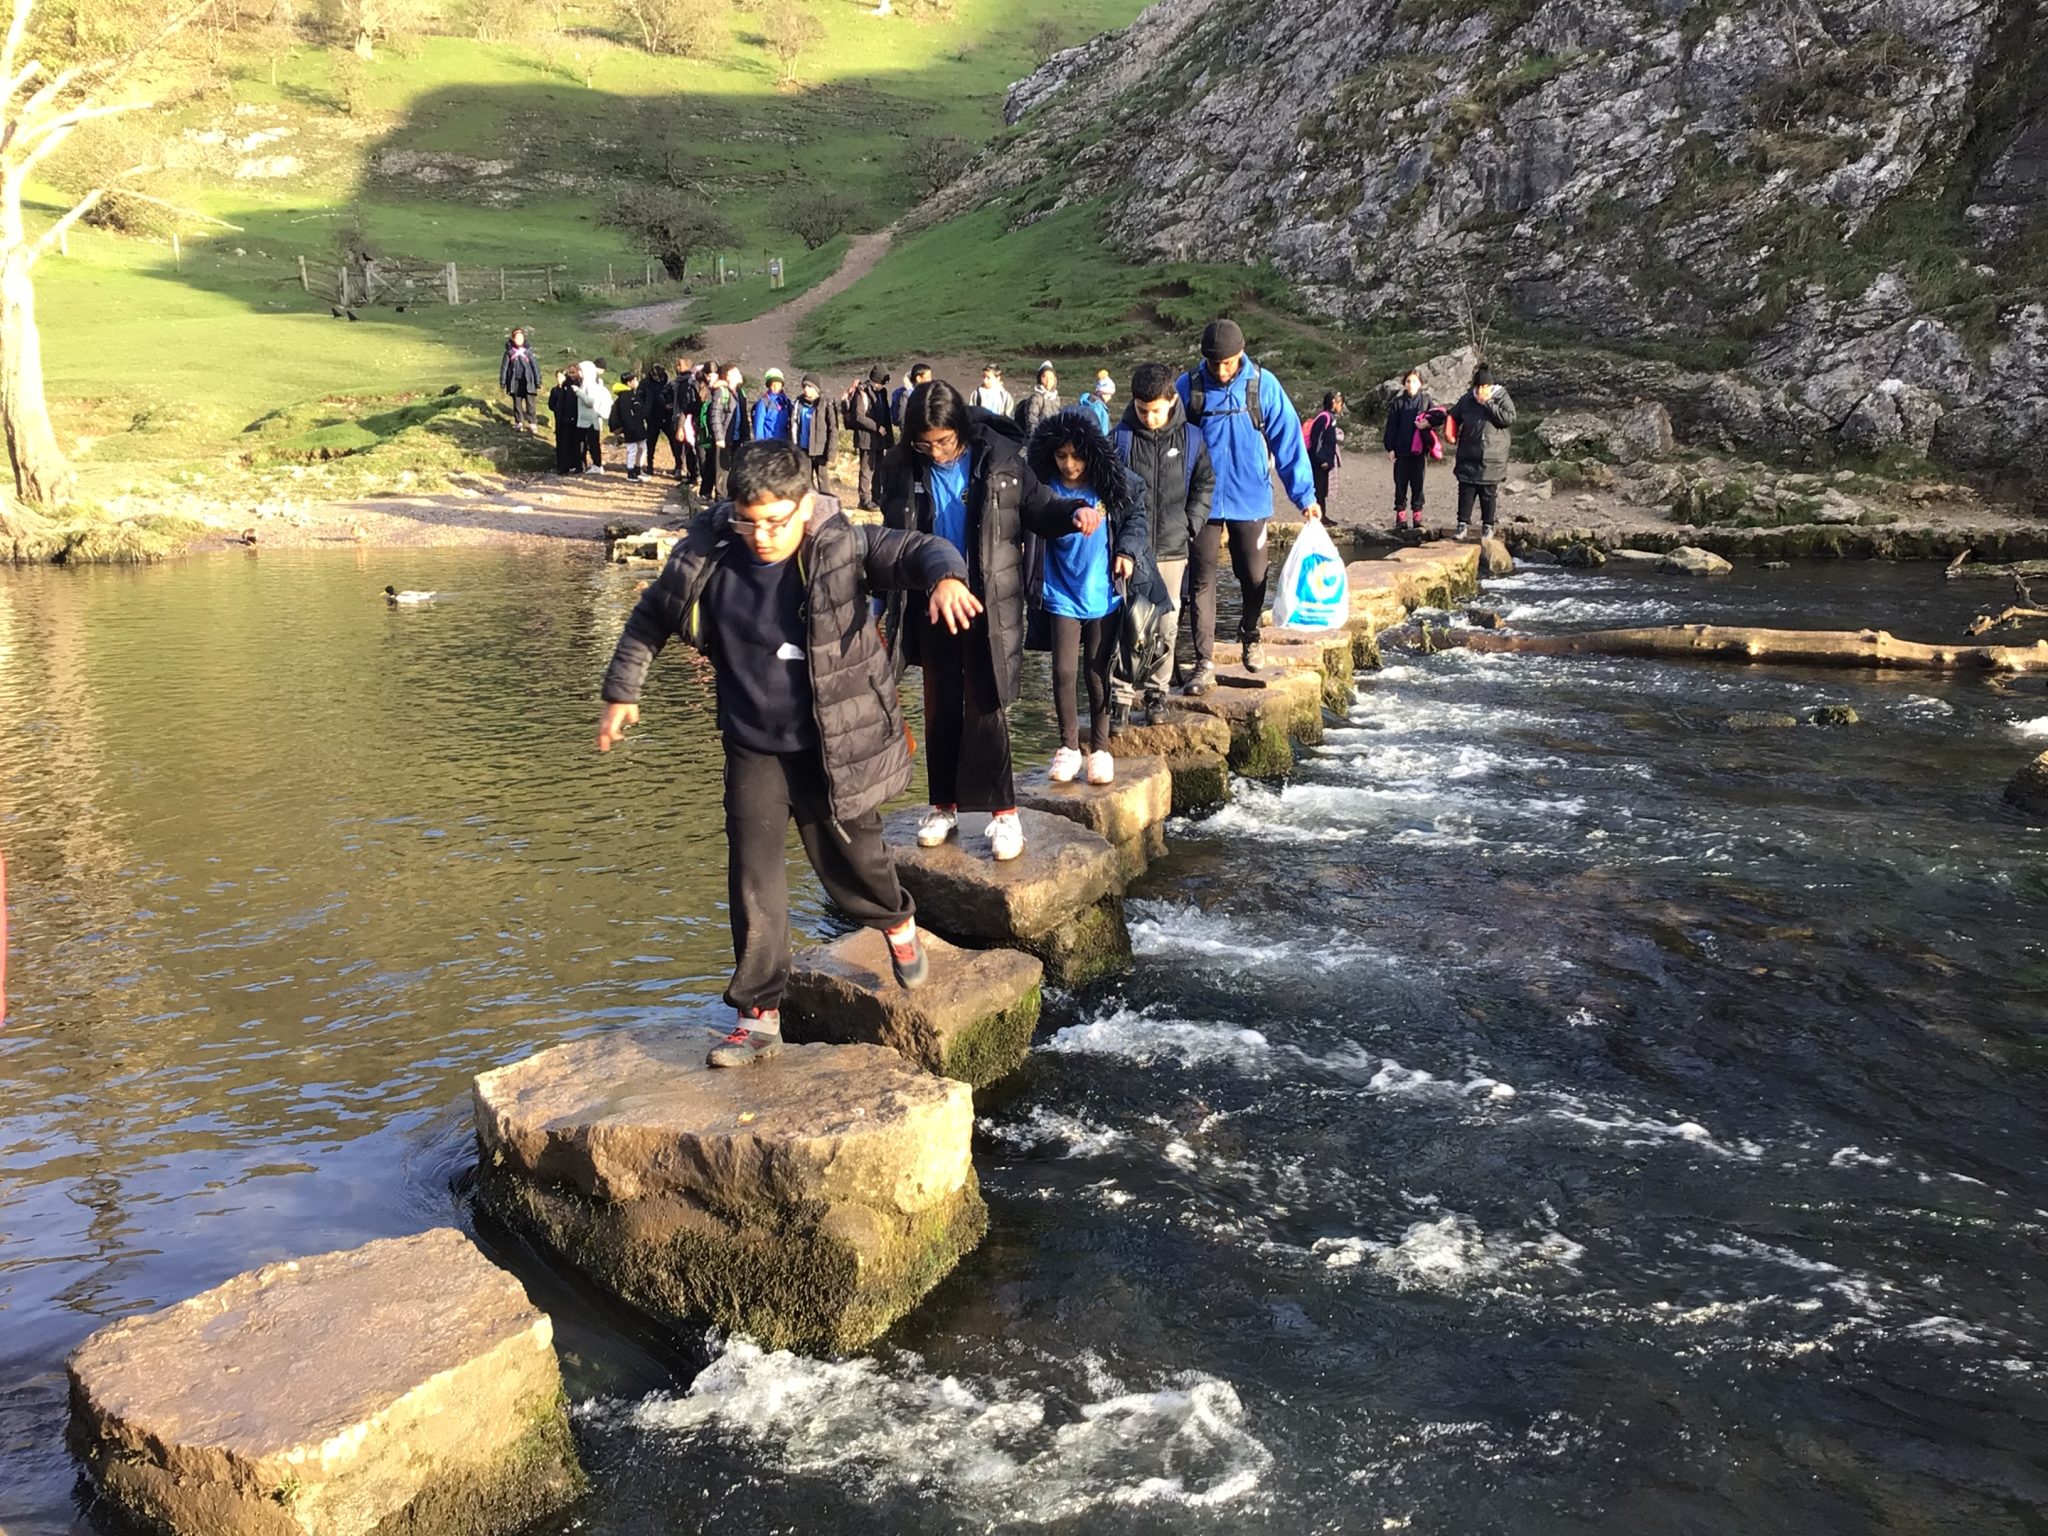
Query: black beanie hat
x,y
1222,339
878,374
810,381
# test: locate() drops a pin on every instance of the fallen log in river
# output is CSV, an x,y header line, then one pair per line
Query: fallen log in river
x,y
1786,647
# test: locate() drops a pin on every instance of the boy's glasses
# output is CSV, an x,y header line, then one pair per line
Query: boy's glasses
x,y
749,527
946,447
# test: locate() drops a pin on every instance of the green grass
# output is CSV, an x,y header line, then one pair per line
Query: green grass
x,y
155,368
1051,289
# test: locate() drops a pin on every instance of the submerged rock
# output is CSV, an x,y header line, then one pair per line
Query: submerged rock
x,y
2029,787
809,1200
406,1385
1582,556
1760,720
1494,559
972,1019
1690,560
1834,715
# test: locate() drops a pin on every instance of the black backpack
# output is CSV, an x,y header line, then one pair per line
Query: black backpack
x,y
1198,396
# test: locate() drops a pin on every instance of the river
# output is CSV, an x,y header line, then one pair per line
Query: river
x,y
1551,1111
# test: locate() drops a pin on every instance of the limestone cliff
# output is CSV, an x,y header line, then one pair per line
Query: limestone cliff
x,y
1812,220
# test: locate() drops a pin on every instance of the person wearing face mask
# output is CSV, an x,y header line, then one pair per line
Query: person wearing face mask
x,y
960,474
775,586
1411,442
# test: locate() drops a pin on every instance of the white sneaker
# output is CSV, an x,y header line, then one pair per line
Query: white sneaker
x,y
1101,768
1005,836
1066,766
936,827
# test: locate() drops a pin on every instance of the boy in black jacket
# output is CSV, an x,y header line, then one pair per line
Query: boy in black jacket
x,y
1170,454
775,587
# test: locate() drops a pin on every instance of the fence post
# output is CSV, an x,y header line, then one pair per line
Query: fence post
x,y
342,273
305,282
611,278
177,251
454,293
501,285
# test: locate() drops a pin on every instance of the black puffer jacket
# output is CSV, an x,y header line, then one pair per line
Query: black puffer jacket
x,y
1483,437
1005,501
853,680
1178,490
1402,413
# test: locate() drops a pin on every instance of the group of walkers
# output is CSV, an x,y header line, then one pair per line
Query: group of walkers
x,y
995,538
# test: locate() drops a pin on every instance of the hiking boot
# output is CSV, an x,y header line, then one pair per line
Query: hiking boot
x,y
1152,711
1119,719
1253,655
1005,836
1066,766
939,824
1101,768
1203,680
756,1037
1464,534
1487,532
906,956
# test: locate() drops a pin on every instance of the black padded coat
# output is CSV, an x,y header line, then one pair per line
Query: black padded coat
x,y
853,679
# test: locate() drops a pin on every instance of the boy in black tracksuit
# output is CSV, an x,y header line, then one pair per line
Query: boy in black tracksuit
x,y
776,587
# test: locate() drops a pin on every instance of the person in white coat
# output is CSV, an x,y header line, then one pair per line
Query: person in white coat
x,y
593,410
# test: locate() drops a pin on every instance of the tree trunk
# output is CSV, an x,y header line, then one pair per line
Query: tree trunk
x,y
1787,647
366,45
42,475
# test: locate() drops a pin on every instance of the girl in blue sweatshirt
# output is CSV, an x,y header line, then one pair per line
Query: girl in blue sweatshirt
x,y
1077,580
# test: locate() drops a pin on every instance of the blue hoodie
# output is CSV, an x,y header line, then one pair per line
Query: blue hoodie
x,y
773,416
1244,488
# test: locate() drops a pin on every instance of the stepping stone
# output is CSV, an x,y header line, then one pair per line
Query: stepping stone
x,y
1267,712
1197,752
407,1385
1061,900
809,1200
1331,652
1118,813
972,1019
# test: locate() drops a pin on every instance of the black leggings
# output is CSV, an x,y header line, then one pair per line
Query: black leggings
x,y
1320,473
967,734
568,449
763,792
593,446
1408,469
1074,640
522,410
709,455
1247,561
1488,497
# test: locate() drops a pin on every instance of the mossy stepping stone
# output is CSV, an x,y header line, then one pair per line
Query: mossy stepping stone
x,y
809,1200
407,1385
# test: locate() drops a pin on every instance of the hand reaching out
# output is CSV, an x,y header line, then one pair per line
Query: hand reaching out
x,y
611,725
1087,519
953,605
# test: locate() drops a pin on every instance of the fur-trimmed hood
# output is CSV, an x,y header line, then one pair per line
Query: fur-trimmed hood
x,y
1118,488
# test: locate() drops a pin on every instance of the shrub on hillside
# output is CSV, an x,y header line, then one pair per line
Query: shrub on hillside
x,y
787,29
936,160
689,29
671,225
501,21
814,215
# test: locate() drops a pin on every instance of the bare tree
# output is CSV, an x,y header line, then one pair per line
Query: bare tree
x,y
363,24
690,29
815,216
40,110
934,161
787,29
1047,38
671,226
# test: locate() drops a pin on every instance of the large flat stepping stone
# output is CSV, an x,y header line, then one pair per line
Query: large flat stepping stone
x,y
1118,813
1061,900
1197,752
407,1385
1267,712
1332,652
809,1200
972,1019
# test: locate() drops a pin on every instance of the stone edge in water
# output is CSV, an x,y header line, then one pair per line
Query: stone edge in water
x,y
818,1278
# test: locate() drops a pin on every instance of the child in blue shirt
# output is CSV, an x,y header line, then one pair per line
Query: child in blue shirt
x,y
1078,580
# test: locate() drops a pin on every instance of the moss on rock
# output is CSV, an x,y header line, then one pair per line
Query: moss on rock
x,y
1092,943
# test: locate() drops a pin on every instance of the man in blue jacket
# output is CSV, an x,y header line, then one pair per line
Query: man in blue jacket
x,y
1251,428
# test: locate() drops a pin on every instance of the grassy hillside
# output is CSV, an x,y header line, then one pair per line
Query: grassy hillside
x,y
488,155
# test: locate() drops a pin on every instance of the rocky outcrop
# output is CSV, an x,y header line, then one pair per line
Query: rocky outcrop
x,y
407,1385
1847,197
2029,787
809,1200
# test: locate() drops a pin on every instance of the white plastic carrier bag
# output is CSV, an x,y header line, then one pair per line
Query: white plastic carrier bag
x,y
1313,592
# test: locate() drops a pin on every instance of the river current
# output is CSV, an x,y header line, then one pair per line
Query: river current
x,y
1550,1111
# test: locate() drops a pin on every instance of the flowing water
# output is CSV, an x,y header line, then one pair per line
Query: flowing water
x,y
1550,1111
